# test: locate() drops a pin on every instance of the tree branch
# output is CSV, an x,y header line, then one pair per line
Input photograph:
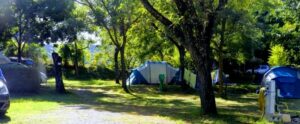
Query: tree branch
x,y
23,46
181,6
211,19
130,23
208,32
156,14
221,4
191,8
106,8
116,36
80,2
175,29
168,36
103,23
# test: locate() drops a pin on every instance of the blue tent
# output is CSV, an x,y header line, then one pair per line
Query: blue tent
x,y
287,81
136,78
149,72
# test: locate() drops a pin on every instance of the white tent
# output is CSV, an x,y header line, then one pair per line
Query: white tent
x,y
150,71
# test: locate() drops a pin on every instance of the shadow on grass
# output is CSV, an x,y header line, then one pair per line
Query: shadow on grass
x,y
99,98
290,106
4,119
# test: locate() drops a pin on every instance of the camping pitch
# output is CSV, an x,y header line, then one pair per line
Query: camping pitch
x,y
149,72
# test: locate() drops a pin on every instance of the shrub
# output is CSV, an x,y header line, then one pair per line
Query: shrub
x,y
21,78
103,73
279,56
93,72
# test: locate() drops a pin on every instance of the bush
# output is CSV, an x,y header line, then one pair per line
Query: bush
x,y
95,72
21,78
279,56
102,73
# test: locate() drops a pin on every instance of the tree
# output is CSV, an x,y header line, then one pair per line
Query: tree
x,y
286,32
69,30
150,42
6,23
220,53
40,21
65,52
279,22
235,31
36,20
116,17
194,31
24,15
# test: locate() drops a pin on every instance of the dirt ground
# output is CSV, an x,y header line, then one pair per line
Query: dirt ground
x,y
83,114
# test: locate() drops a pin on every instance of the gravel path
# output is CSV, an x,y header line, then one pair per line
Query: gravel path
x,y
83,114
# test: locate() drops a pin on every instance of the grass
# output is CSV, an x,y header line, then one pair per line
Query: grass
x,y
290,106
143,104
24,106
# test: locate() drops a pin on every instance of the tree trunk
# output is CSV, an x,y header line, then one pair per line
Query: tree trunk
x,y
123,32
117,71
221,81
57,62
220,76
181,66
203,68
66,63
66,55
76,59
19,39
161,55
123,69
19,54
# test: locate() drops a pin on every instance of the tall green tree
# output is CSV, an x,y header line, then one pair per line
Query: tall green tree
x,y
36,20
235,31
287,32
194,31
279,22
69,30
150,41
24,15
6,23
116,17
40,21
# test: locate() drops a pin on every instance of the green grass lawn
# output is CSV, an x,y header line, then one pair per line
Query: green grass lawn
x,y
144,101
